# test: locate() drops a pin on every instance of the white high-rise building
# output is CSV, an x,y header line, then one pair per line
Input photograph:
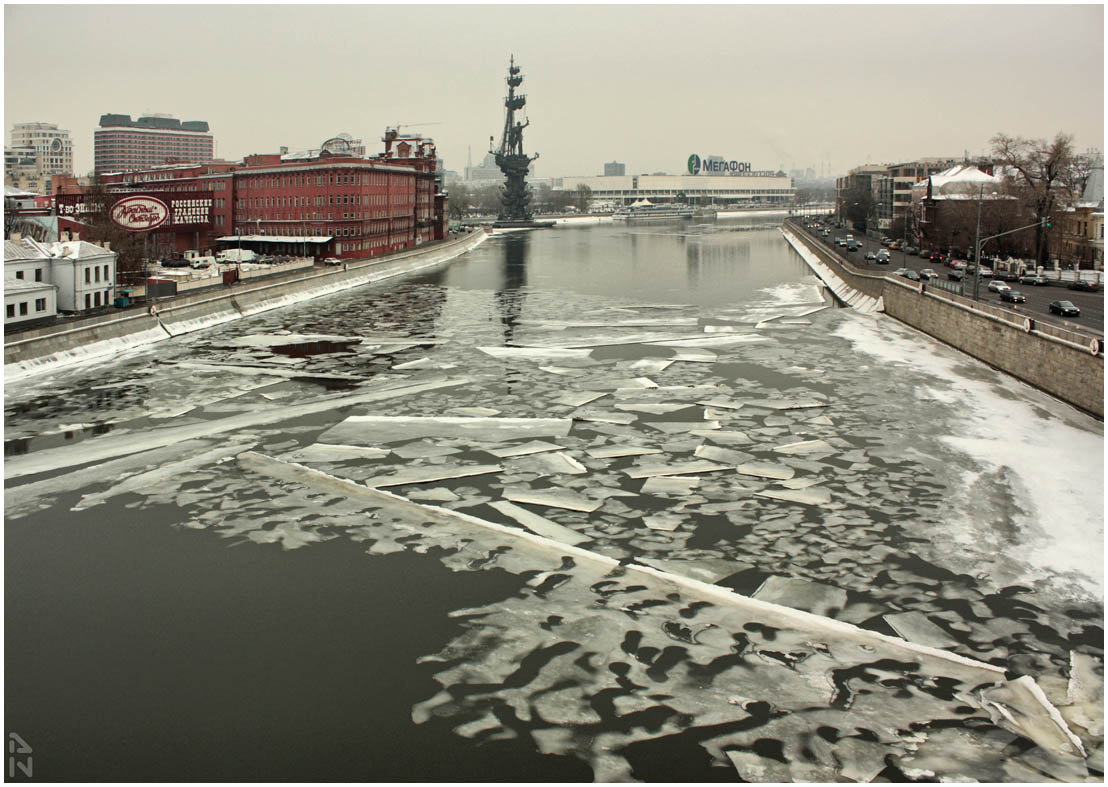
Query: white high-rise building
x,y
51,144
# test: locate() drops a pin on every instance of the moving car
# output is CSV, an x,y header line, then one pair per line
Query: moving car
x,y
852,245
998,286
1033,278
332,261
1084,285
1064,308
883,257
1012,296
911,250
956,275
870,255
927,274
894,245
912,276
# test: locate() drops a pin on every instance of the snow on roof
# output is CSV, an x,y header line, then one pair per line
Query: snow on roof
x,y
963,174
12,191
22,285
25,249
76,250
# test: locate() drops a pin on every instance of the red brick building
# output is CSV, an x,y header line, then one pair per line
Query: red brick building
x,y
322,203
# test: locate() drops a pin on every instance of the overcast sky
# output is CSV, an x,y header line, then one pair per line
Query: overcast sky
x,y
824,86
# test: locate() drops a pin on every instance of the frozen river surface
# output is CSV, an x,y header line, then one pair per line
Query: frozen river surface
x,y
610,503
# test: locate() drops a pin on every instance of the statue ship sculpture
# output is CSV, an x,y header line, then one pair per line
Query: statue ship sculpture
x,y
515,197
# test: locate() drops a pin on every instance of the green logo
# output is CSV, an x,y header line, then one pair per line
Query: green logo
x,y
694,164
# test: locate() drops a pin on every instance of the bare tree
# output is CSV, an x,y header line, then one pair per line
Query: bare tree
x,y
1043,173
583,197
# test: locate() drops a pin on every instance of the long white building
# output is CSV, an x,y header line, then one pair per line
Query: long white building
x,y
741,189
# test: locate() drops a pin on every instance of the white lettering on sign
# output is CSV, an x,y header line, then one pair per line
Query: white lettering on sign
x,y
139,213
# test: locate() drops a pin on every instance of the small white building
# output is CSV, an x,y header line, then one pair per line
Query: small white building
x,y
81,275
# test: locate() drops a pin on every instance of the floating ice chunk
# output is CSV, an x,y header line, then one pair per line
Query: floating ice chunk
x,y
805,447
545,463
669,485
787,404
1047,728
794,321
756,769
562,370
674,427
578,398
539,524
696,356
812,496
649,407
325,452
532,353
119,444
814,597
616,451
144,482
473,412
725,404
766,470
439,494
651,365
821,420
726,456
424,475
715,415
800,483
372,429
422,363
704,570
533,447
720,329
722,340
610,418
667,522
278,339
553,498
682,468
915,627
422,449
725,437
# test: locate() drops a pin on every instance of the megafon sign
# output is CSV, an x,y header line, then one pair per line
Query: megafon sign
x,y
139,213
698,165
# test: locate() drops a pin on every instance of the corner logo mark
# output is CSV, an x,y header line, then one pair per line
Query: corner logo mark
x,y
694,164
18,746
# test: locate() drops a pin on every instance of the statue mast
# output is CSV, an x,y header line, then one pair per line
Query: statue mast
x,y
513,162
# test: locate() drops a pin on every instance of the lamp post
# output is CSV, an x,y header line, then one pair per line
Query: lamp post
x,y
977,248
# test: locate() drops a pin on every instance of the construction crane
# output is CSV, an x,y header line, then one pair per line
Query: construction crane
x,y
399,126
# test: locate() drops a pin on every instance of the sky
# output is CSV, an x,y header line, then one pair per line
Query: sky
x,y
825,87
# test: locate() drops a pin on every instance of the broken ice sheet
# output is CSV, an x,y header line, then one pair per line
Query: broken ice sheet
x,y
669,485
424,475
439,494
727,456
532,447
915,627
724,436
805,447
547,464
539,524
616,451
474,412
422,449
766,470
812,496
681,468
649,407
374,429
666,522
814,597
536,353
326,452
695,355
552,498
650,365
578,398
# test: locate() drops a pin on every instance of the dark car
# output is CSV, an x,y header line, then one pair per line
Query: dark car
x,y
911,250
936,258
870,255
1084,285
1012,296
1064,308
912,276
955,275
925,254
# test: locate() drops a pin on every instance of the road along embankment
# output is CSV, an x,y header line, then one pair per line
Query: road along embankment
x,y
42,349
1064,364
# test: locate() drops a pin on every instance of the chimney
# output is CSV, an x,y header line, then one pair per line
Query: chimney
x,y
76,236
16,237
284,149
64,236
107,245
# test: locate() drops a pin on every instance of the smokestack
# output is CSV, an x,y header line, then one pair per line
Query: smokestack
x,y
107,245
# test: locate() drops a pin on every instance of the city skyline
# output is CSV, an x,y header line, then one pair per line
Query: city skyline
x,y
828,89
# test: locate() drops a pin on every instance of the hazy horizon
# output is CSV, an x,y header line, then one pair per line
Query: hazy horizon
x,y
789,87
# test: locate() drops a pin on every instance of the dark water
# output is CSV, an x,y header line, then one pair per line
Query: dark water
x,y
216,623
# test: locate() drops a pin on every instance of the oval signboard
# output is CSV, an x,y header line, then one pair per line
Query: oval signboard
x,y
140,213
1094,346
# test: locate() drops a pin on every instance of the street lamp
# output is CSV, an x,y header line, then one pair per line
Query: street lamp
x,y
977,248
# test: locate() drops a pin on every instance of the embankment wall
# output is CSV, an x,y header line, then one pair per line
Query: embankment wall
x,y
48,346
1062,366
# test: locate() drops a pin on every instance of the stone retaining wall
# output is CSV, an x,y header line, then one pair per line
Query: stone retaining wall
x,y
1067,370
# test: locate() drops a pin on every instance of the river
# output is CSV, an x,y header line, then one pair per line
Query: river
x,y
202,584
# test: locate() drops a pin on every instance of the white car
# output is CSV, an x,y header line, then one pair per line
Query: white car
x,y
996,285
332,261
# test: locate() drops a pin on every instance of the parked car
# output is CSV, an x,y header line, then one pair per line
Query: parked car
x,y
900,271
1064,308
1012,296
870,255
927,274
925,254
912,276
1033,278
886,241
956,274
911,250
894,245
1084,285
332,261
998,286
